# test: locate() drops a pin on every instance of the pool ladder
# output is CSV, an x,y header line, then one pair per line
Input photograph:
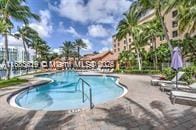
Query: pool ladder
x,y
90,91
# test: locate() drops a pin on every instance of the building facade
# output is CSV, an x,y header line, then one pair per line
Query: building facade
x,y
16,54
171,23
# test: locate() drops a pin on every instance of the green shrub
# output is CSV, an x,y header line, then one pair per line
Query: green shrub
x,y
119,71
168,73
136,71
190,73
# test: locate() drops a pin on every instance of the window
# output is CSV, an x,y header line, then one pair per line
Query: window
x,y
118,49
125,48
118,44
129,46
174,24
162,38
114,50
114,45
129,39
174,13
174,33
125,41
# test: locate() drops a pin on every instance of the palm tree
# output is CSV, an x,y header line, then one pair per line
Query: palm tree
x,y
158,6
37,44
27,35
9,10
140,39
186,14
129,25
154,30
79,44
126,58
53,56
67,49
44,52
187,18
4,26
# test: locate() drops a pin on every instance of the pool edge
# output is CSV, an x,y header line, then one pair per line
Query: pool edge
x,y
12,98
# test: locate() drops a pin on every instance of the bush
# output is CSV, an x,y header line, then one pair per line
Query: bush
x,y
144,71
190,73
119,70
136,71
168,73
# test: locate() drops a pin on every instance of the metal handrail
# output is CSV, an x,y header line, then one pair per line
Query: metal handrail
x,y
90,91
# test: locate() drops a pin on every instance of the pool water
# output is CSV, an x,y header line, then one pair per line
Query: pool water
x,y
62,95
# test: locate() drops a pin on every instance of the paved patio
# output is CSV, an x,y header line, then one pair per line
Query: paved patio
x,y
144,107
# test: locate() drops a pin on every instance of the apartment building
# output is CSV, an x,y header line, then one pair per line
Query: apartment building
x,y
171,22
16,54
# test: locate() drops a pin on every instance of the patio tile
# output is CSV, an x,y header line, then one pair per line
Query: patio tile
x,y
144,107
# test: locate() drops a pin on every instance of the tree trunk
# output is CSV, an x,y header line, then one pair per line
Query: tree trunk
x,y
78,54
26,52
26,58
6,57
36,53
67,55
154,49
165,31
139,59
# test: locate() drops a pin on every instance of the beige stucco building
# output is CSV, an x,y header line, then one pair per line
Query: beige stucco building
x,y
171,22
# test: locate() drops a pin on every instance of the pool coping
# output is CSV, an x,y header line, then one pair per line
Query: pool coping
x,y
12,97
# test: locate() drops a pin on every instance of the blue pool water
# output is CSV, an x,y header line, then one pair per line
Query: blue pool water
x,y
61,94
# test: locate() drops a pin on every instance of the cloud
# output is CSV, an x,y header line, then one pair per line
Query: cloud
x,y
94,11
70,30
97,31
57,50
44,27
89,45
16,43
107,41
104,49
12,42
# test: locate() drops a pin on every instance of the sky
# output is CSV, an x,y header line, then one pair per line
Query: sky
x,y
94,21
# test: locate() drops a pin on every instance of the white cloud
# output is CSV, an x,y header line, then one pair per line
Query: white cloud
x,y
106,44
88,43
107,41
72,31
104,49
12,42
96,11
16,43
69,30
44,27
61,27
97,31
57,50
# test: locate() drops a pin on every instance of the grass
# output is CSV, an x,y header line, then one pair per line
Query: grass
x,y
12,82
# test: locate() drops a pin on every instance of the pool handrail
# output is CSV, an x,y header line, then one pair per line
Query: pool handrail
x,y
90,91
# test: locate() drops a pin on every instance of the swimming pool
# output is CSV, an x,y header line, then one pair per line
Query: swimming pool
x,y
65,92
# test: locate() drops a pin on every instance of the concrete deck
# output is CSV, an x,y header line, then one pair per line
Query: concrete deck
x,y
144,107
